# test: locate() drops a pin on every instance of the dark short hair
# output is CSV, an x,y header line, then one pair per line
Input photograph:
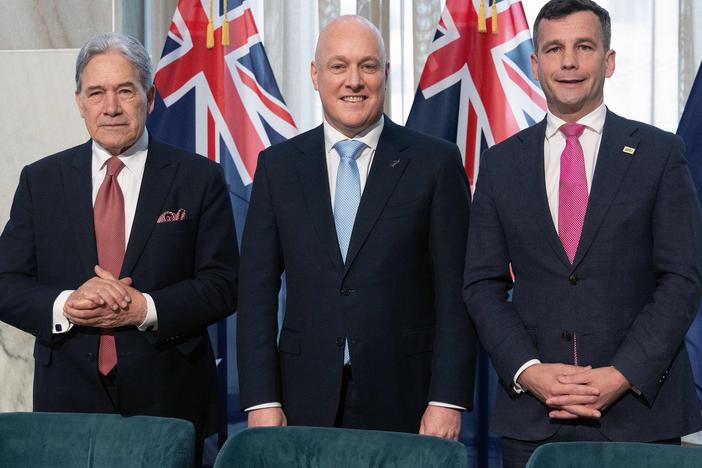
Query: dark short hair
x,y
560,8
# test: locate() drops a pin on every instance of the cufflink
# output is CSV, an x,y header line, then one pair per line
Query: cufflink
x,y
58,327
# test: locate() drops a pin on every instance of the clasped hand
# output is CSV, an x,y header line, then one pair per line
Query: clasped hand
x,y
105,302
572,391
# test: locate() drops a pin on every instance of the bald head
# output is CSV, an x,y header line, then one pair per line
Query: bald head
x,y
349,25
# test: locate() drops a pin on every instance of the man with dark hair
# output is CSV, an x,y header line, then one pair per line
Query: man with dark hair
x,y
368,220
118,254
598,218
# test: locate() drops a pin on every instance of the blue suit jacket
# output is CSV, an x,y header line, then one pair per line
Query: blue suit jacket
x,y
397,298
628,298
188,267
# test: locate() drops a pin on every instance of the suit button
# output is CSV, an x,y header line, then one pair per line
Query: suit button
x,y
567,336
572,279
340,341
90,356
347,292
353,341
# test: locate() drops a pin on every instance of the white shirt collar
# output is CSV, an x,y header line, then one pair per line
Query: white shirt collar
x,y
369,136
594,121
133,158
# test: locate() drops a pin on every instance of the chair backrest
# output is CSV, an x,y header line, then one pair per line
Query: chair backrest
x,y
338,448
82,440
614,454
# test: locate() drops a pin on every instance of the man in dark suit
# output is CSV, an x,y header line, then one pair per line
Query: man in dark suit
x,y
598,218
368,221
118,254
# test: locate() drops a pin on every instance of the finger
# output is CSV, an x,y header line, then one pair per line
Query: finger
x,y
582,411
565,400
126,280
82,304
561,414
104,274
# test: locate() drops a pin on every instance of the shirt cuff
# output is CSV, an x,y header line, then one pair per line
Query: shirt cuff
x,y
60,323
150,322
515,386
446,405
273,404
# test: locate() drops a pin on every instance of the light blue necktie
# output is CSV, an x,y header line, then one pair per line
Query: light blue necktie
x,y
347,199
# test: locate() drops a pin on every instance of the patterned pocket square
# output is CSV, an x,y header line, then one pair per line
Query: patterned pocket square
x,y
170,216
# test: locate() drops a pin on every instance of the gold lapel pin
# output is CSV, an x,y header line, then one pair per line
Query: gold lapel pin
x,y
628,150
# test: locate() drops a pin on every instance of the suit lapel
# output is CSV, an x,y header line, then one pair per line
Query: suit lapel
x,y
156,183
532,175
78,186
612,165
388,165
314,180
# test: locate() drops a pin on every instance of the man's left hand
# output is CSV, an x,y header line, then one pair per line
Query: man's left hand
x,y
89,314
608,380
442,422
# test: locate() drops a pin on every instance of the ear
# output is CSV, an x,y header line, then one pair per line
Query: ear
x,y
610,56
79,103
150,96
534,67
314,73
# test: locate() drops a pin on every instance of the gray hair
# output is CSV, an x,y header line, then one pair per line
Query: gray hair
x,y
129,47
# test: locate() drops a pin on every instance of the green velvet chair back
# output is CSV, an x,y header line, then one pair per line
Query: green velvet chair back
x,y
614,454
318,447
75,440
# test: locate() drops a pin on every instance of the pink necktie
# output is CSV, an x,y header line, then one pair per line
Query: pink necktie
x,y
572,190
108,213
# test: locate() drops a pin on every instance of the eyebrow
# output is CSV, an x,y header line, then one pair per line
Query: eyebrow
x,y
128,84
578,40
345,59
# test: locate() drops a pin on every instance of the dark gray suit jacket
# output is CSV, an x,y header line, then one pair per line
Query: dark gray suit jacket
x,y
188,267
397,298
629,297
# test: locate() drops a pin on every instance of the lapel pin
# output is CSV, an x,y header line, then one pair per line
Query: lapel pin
x,y
629,150
395,163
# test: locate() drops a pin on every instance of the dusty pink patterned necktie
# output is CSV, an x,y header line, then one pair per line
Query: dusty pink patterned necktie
x,y
572,190
108,213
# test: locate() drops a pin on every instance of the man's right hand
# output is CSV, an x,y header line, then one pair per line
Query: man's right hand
x,y
267,417
101,292
541,380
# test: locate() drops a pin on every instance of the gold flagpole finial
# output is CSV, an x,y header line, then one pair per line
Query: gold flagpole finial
x,y
482,26
210,30
225,27
494,16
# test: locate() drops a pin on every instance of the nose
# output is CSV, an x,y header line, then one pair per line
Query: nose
x,y
111,104
354,80
569,59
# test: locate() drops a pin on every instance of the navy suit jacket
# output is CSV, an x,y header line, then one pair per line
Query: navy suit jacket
x,y
397,298
628,298
188,267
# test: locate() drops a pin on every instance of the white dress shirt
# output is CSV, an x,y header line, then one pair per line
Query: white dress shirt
x,y
129,179
554,144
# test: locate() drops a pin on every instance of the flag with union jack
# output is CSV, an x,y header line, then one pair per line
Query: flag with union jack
x,y
221,101
480,82
216,95
478,79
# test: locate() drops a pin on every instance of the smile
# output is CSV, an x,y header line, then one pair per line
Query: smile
x,y
354,98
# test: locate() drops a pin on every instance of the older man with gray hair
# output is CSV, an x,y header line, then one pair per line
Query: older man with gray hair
x,y
118,254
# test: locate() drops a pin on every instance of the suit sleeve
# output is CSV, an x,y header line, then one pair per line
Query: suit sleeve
x,y
25,303
487,282
257,321
658,333
453,361
210,294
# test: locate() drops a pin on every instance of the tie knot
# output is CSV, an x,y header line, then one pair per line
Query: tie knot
x,y
349,148
572,130
114,165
